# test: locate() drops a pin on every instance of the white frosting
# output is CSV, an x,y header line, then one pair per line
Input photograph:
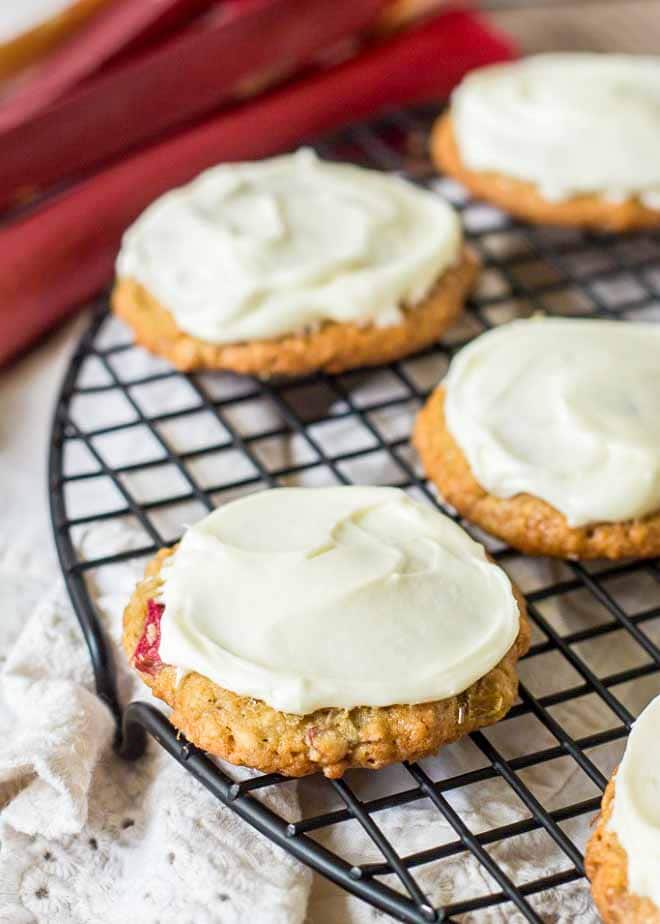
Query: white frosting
x,y
259,250
566,410
348,596
569,123
20,16
636,813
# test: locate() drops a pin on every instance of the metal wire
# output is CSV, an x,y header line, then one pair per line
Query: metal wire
x,y
537,270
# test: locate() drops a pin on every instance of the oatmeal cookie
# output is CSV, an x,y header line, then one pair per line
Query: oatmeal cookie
x,y
523,199
524,521
247,731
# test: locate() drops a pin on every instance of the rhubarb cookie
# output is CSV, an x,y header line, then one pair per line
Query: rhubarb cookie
x,y
567,139
546,433
292,265
306,629
623,856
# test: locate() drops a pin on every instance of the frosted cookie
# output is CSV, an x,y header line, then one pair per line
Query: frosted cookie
x,y
291,265
305,629
567,139
623,856
546,433
30,28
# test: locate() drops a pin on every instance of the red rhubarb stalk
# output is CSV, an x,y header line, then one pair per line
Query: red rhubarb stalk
x,y
146,656
64,252
108,33
220,56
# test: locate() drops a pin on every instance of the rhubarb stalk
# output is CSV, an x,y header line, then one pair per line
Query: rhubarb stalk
x,y
107,34
220,56
64,252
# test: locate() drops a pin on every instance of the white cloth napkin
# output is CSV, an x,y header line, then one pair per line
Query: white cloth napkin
x,y
86,836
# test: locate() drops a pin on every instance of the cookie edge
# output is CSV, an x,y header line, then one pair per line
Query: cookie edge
x,y
606,865
525,522
335,347
523,200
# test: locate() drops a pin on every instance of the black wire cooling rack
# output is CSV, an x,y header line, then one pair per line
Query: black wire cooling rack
x,y
228,435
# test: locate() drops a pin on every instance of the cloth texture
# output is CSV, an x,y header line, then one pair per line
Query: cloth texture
x,y
86,836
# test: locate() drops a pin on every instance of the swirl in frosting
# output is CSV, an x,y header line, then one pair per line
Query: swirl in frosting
x,y
349,596
569,123
258,250
566,410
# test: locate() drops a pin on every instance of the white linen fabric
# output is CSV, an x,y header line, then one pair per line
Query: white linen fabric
x,y
85,836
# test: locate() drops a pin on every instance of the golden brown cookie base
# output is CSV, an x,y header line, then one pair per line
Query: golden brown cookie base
x,y
525,201
34,44
333,348
524,521
606,863
247,731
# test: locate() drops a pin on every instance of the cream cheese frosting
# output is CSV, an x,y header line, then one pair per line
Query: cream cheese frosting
x,y
566,410
348,596
258,250
577,123
635,815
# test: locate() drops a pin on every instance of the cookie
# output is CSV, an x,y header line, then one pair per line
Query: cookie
x,y
525,522
606,864
291,265
334,348
247,731
524,200
623,855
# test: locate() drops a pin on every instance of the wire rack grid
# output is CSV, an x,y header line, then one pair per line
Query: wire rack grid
x,y
227,436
